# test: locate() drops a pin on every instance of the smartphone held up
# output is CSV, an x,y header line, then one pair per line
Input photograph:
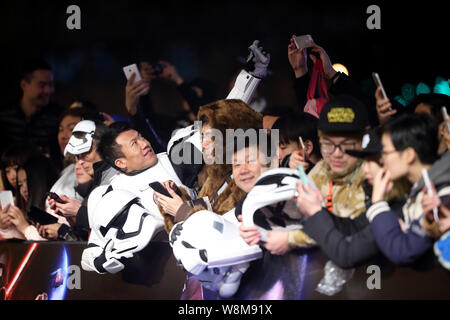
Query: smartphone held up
x,y
302,42
129,70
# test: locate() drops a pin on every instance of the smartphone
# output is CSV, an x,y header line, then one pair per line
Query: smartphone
x,y
376,79
129,70
445,115
303,175
158,187
39,216
305,156
6,197
302,42
55,197
426,179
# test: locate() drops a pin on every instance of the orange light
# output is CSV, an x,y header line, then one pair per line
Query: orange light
x,y
340,68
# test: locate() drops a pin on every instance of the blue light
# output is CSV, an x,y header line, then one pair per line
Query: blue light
x,y
422,88
441,86
59,292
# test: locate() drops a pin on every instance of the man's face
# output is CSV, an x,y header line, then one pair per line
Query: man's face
x,y
334,156
40,88
247,167
139,154
394,161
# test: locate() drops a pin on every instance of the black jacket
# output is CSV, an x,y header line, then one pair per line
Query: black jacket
x,y
40,130
81,230
347,242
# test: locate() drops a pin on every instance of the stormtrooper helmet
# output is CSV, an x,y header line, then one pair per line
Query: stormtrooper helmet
x,y
270,205
217,255
119,216
81,139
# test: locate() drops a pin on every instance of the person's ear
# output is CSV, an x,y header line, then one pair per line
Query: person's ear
x,y
410,155
309,147
23,83
121,163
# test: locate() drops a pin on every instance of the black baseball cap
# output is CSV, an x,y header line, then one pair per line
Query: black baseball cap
x,y
371,144
343,114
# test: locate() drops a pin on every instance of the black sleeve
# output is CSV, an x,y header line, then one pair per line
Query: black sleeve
x,y
141,124
345,85
347,251
301,89
190,96
80,231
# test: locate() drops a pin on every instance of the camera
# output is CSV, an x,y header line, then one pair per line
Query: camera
x,y
157,68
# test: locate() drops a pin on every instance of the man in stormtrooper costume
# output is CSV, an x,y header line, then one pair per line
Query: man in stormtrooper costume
x,y
140,167
126,150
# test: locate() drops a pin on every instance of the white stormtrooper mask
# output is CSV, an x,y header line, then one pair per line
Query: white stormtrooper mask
x,y
270,203
120,216
81,139
206,239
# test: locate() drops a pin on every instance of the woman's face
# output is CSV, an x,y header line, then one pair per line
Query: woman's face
x,y
207,142
371,168
81,173
11,175
247,167
23,186
65,130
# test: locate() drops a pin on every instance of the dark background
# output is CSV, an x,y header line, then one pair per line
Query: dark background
x,y
205,38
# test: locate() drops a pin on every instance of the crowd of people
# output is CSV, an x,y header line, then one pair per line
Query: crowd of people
x,y
117,184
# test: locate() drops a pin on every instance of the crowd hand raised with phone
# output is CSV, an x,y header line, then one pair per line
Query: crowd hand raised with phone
x,y
384,107
49,231
108,119
309,200
327,65
133,91
170,205
277,240
382,184
445,132
17,218
298,59
169,72
431,201
5,220
297,158
68,209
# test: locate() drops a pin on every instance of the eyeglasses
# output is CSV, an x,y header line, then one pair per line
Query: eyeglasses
x,y
329,147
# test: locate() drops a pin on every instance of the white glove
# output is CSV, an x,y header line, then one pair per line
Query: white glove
x,y
257,61
109,260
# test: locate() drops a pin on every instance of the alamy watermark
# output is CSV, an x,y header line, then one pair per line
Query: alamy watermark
x,y
74,20
374,280
262,145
